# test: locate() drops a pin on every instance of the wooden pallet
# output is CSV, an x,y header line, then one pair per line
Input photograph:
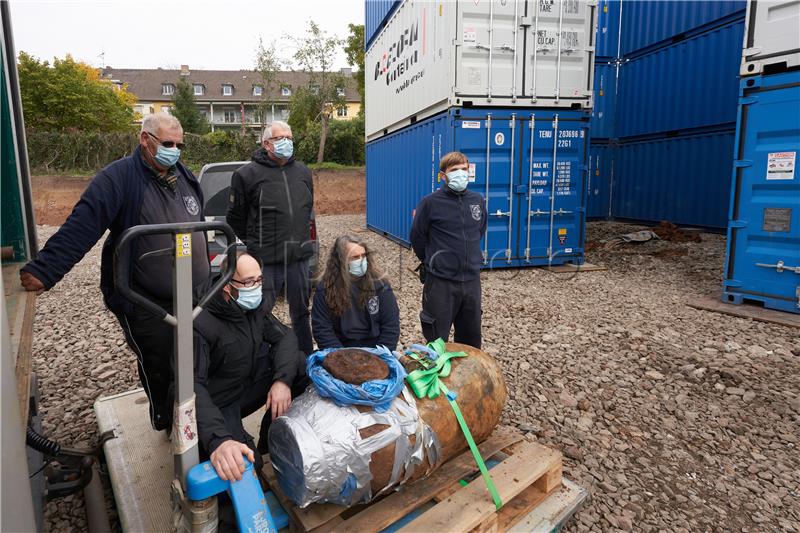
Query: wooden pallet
x,y
746,310
527,473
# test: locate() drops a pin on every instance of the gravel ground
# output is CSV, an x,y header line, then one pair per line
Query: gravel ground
x,y
674,419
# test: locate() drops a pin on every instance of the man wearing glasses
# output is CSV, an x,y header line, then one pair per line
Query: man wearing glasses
x,y
150,186
244,359
270,208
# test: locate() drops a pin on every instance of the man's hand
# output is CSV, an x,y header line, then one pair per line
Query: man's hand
x,y
227,459
31,283
279,398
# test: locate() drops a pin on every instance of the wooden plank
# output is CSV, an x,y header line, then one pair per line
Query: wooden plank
x,y
387,511
490,525
761,314
515,510
470,506
312,517
568,267
25,355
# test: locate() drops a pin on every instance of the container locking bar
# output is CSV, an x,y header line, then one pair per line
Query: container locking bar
x,y
535,53
560,41
780,266
513,124
486,199
553,176
532,127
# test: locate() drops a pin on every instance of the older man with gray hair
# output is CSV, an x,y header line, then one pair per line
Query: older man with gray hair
x,y
270,208
150,186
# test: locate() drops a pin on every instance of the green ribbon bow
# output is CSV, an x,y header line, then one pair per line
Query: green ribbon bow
x,y
426,383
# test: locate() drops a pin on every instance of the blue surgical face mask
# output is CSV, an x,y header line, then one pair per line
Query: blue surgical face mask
x,y
358,267
167,157
457,180
283,149
249,298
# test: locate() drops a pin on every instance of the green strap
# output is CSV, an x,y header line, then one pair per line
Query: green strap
x,y
426,383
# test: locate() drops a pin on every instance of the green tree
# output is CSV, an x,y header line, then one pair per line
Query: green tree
x,y
185,109
354,50
303,111
70,95
268,66
315,55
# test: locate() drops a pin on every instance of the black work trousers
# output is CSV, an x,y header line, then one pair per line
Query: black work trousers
x,y
151,339
295,277
448,303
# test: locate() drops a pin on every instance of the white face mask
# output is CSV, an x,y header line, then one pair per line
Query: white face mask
x,y
358,267
457,179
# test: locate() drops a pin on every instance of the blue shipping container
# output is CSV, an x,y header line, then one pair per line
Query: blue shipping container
x,y
533,220
600,180
605,100
683,179
608,20
690,84
376,14
649,23
763,256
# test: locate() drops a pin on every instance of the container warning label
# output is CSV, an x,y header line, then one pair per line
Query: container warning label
x,y
777,219
470,35
471,172
780,165
471,124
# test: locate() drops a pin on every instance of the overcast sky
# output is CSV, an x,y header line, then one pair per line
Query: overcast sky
x,y
203,34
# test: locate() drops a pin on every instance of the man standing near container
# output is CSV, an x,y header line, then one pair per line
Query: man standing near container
x,y
270,208
150,186
446,237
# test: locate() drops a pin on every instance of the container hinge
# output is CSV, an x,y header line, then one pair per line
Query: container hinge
x,y
753,50
737,224
741,163
780,266
733,283
748,100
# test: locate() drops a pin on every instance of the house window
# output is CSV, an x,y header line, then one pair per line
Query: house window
x,y
230,115
340,91
166,109
341,112
286,91
199,89
167,89
227,90
284,114
258,90
314,89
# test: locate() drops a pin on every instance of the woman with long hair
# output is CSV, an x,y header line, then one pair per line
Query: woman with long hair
x,y
354,305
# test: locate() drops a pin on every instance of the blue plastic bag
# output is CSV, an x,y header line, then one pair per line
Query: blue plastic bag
x,y
377,393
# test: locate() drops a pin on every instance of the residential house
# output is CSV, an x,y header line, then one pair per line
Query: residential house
x,y
228,99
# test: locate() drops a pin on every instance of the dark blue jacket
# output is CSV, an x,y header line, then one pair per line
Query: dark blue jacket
x,y
379,322
112,201
447,231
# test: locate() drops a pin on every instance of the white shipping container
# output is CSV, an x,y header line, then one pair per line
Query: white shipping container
x,y
771,36
433,55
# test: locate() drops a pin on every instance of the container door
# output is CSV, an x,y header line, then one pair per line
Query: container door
x,y
764,230
490,138
558,54
551,212
489,55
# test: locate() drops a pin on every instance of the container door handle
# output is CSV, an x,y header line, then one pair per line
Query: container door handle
x,y
780,267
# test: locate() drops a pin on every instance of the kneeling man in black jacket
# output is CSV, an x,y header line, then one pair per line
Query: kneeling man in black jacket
x,y
244,358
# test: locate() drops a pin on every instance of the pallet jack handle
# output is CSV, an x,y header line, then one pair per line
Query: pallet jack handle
x,y
184,429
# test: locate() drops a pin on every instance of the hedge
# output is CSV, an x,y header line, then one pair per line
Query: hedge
x,y
50,152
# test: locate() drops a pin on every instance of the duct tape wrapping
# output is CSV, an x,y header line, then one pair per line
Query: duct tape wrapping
x,y
184,426
319,454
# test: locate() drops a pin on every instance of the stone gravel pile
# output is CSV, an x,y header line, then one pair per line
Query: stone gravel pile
x,y
674,419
